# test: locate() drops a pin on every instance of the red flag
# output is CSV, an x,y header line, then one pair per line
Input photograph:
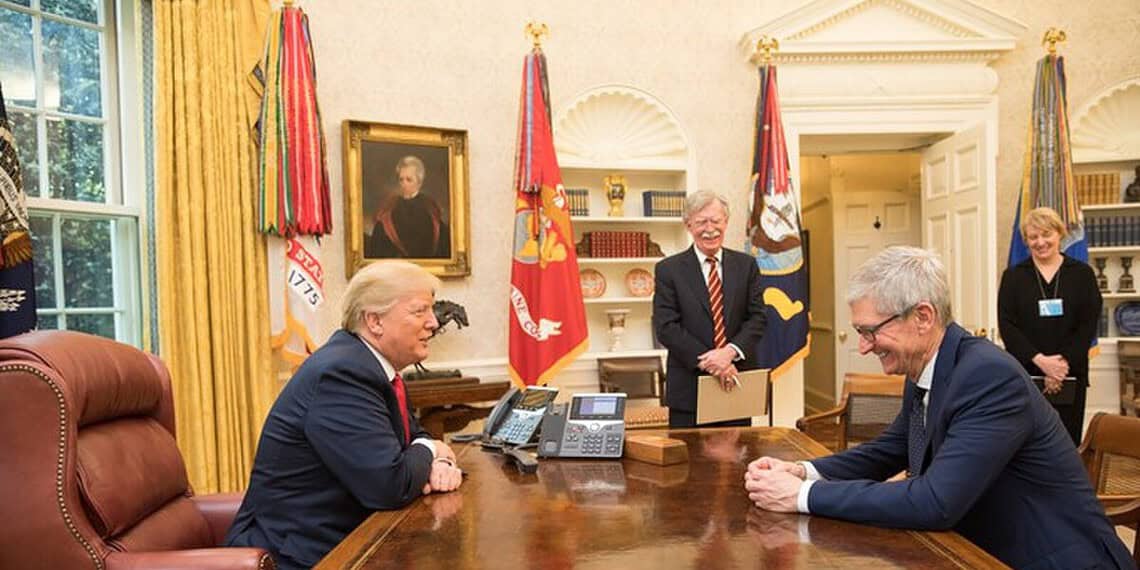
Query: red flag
x,y
547,318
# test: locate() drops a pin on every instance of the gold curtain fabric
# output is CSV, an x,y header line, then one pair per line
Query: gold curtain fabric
x,y
213,304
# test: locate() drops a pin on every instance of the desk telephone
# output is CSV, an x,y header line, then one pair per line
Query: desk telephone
x,y
592,425
517,416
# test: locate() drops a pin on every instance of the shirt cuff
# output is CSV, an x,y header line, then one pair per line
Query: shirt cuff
x,y
810,472
739,353
802,498
426,443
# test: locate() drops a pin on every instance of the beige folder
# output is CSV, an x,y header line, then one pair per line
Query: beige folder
x,y
750,399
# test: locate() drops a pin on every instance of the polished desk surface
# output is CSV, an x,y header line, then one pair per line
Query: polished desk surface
x,y
628,514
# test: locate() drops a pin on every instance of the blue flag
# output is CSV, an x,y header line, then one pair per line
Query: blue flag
x,y
17,284
775,237
1047,179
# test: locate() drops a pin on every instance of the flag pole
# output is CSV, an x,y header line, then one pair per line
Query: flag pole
x,y
535,31
767,46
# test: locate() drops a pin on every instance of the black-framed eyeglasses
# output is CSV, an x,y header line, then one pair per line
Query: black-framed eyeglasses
x,y
868,333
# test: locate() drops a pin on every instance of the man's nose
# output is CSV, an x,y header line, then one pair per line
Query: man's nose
x,y
865,345
432,323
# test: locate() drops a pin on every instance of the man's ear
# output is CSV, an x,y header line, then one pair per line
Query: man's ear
x,y
926,315
373,323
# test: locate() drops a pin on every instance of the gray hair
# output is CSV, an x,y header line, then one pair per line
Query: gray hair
x,y
697,201
412,162
379,286
900,277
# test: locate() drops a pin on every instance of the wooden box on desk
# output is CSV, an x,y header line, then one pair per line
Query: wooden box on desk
x,y
656,449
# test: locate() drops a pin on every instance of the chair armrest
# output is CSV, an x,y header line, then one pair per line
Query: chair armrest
x,y
219,511
803,423
1127,513
196,559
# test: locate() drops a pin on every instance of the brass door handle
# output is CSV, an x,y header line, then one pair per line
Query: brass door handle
x,y
842,336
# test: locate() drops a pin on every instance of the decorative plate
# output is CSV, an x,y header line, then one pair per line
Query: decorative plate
x,y
593,283
1128,318
639,282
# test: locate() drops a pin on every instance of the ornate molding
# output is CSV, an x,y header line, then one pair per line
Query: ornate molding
x,y
617,125
902,7
1107,127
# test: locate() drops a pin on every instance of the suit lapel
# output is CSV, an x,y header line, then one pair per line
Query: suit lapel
x,y
940,384
695,276
382,383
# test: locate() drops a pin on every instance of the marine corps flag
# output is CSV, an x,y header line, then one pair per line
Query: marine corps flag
x,y
775,238
547,318
17,285
1048,176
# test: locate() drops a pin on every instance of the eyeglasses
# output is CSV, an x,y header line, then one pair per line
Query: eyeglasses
x,y
868,333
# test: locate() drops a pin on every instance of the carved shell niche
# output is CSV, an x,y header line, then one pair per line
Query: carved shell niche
x,y
615,126
1107,128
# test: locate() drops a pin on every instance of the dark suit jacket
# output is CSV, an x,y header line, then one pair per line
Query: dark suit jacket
x,y
682,318
332,451
999,468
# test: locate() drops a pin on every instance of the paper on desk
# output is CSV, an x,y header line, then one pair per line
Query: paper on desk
x,y
750,399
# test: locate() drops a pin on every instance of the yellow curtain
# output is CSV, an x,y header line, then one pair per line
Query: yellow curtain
x,y
212,297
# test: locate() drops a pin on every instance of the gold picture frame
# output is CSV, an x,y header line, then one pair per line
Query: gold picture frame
x,y
381,164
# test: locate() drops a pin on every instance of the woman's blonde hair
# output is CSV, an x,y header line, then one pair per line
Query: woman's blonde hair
x,y
379,286
1043,218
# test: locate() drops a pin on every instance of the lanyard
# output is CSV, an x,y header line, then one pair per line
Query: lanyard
x,y
1041,284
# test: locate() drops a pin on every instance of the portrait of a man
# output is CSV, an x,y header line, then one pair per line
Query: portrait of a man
x,y
406,203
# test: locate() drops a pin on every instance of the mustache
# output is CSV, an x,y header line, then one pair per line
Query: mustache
x,y
710,234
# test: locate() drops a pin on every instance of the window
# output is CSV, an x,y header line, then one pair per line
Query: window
x,y
61,79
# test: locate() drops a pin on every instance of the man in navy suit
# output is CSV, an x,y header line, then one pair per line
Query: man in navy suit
x,y
683,316
986,454
340,441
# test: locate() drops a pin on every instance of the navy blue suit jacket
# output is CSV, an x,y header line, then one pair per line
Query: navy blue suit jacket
x,y
999,469
682,317
332,451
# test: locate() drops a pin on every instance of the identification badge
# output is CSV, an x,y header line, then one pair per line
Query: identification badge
x,y
1050,308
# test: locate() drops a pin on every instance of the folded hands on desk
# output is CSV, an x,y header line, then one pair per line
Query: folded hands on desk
x,y
774,484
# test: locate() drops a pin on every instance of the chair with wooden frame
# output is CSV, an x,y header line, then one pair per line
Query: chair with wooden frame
x,y
868,405
639,377
1128,358
1111,453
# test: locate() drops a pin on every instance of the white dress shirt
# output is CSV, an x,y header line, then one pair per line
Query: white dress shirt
x,y
390,372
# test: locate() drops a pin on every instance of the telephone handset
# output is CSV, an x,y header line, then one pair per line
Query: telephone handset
x,y
516,417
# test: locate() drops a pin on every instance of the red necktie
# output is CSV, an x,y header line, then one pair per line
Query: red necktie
x,y
402,402
716,303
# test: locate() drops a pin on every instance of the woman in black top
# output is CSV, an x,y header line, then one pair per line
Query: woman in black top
x,y
1048,307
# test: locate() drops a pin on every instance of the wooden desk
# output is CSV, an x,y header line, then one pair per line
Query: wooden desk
x,y
626,514
444,403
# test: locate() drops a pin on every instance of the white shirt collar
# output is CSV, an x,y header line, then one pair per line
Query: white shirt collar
x,y
927,377
389,370
701,257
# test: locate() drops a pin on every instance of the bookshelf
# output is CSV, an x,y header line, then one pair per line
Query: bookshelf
x,y
621,131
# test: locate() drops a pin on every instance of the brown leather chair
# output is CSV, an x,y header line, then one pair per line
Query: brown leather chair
x,y
868,405
91,476
1111,453
1128,356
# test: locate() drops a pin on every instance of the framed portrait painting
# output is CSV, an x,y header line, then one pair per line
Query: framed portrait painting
x,y
406,197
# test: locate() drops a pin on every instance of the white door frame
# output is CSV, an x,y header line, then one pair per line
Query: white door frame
x,y
903,116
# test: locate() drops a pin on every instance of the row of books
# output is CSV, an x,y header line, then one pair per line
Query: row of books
x,y
663,203
654,203
579,201
617,244
1111,231
1097,188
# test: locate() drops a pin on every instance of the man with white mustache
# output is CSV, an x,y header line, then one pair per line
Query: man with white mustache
x,y
986,454
690,288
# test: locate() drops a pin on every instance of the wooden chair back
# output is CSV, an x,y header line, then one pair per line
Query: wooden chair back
x,y
1111,453
868,404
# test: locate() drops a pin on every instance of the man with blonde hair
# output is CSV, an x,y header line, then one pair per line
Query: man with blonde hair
x,y
341,442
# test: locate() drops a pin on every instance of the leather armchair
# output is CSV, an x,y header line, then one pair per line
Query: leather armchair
x,y
92,476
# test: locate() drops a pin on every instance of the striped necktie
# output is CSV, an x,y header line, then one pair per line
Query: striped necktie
x,y
716,303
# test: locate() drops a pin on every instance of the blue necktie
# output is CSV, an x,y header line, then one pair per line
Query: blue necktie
x,y
916,434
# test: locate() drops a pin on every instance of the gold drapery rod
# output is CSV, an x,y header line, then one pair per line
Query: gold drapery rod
x,y
535,31
1053,36
767,46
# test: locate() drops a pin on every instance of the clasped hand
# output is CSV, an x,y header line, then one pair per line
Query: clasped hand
x,y
445,474
1055,368
774,484
718,362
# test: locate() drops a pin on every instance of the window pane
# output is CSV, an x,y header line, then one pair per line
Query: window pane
x,y
17,74
79,9
75,160
43,258
71,69
87,278
102,325
24,133
47,322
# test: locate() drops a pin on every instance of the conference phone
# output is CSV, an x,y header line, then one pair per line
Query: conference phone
x,y
590,426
